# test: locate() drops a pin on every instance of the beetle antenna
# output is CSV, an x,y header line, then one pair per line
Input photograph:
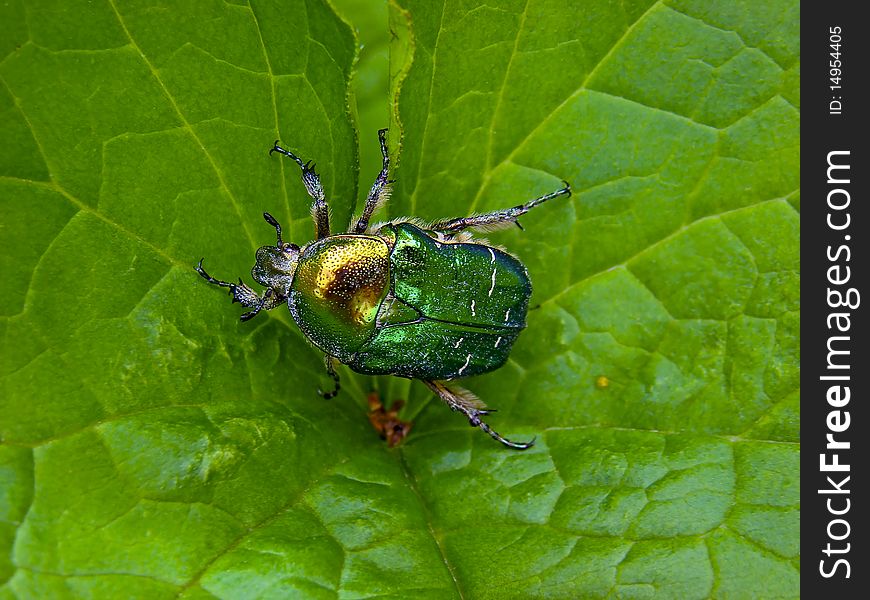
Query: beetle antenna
x,y
274,223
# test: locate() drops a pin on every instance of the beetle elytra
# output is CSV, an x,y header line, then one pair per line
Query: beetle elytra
x,y
403,298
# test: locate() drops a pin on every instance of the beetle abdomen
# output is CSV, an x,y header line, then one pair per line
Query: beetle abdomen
x,y
463,283
434,350
458,308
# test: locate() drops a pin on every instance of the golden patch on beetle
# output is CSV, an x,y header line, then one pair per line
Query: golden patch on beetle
x,y
353,278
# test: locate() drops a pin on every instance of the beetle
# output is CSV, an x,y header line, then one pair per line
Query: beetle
x,y
403,298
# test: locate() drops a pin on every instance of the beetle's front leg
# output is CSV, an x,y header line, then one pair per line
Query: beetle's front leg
x,y
319,208
498,218
380,191
469,405
244,295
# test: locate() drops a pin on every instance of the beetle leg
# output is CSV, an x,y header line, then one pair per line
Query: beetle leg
x,y
498,218
244,295
330,369
319,208
380,191
472,408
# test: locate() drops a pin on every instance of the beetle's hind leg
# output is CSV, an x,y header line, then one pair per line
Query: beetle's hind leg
x,y
336,381
380,191
466,403
319,208
244,295
498,218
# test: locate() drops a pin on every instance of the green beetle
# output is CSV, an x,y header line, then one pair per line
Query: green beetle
x,y
403,298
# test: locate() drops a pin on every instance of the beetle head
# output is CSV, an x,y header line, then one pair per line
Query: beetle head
x,y
276,266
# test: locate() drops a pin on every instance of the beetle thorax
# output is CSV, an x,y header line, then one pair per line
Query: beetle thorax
x,y
339,285
351,277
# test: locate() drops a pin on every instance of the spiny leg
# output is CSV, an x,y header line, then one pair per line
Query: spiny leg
x,y
497,218
330,369
244,295
319,209
380,191
472,408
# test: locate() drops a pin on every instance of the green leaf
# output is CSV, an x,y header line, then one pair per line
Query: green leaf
x,y
153,446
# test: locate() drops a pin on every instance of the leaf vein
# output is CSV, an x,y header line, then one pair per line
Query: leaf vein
x,y
156,74
412,483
